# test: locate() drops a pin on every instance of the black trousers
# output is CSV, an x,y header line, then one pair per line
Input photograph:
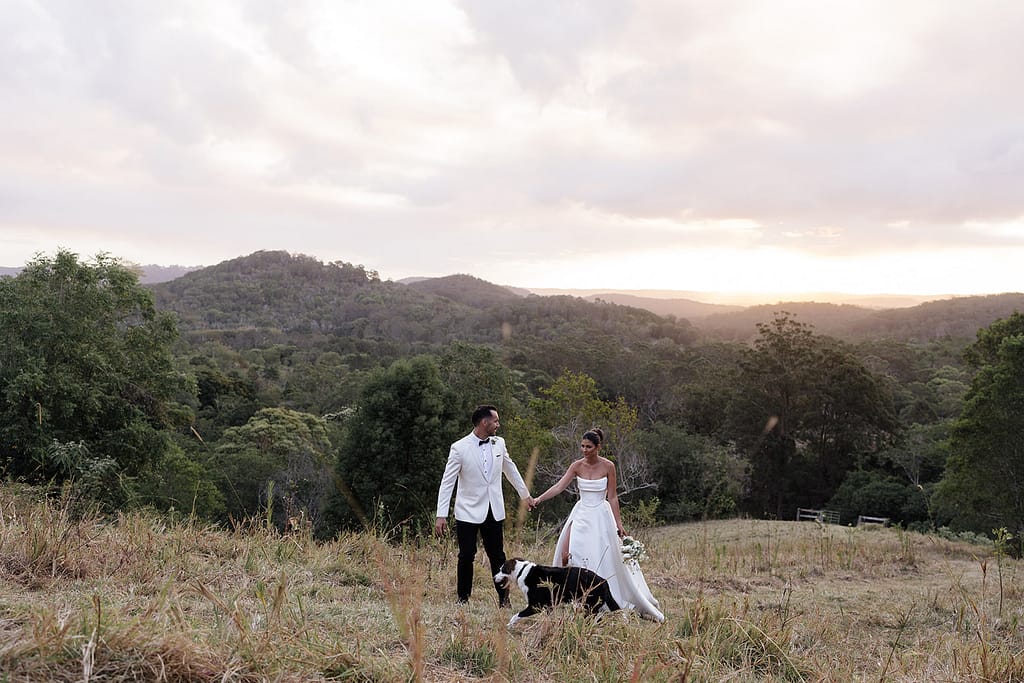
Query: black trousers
x,y
491,532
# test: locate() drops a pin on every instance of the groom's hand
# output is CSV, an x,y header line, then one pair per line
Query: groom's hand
x,y
440,525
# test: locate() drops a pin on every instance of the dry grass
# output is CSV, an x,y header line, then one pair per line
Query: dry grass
x,y
141,598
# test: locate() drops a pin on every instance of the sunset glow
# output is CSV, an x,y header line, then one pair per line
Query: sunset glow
x,y
790,149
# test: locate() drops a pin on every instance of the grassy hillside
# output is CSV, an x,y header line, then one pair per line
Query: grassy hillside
x,y
138,597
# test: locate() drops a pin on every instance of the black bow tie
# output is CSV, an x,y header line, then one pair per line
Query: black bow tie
x,y
483,441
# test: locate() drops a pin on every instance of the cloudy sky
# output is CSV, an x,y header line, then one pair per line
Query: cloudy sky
x,y
775,146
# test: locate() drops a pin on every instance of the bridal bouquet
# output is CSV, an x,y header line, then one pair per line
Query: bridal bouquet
x,y
633,550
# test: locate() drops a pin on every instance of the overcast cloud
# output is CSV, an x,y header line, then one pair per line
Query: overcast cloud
x,y
783,146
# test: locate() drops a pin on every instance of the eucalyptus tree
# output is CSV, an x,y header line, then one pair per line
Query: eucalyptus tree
x,y
804,409
983,486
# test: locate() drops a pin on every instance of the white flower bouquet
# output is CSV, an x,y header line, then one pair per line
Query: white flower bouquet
x,y
633,550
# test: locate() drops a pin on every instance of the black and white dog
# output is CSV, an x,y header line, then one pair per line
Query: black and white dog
x,y
567,584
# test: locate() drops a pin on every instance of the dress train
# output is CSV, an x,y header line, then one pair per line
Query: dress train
x,y
593,543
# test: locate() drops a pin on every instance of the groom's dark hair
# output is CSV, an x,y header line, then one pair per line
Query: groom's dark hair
x,y
481,412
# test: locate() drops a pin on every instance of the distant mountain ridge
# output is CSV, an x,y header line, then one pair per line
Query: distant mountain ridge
x,y
277,291
680,308
745,299
152,274
273,297
959,318
282,294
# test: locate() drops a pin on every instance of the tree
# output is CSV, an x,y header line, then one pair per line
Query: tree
x,y
564,412
474,376
85,358
396,445
697,478
705,388
851,418
181,483
983,485
804,410
921,453
876,494
280,460
766,408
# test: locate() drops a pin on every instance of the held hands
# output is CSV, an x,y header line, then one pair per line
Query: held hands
x,y
532,503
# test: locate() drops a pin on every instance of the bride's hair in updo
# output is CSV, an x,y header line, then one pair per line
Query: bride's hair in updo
x,y
594,435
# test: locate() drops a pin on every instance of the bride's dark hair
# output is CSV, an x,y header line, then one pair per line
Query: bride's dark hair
x,y
594,435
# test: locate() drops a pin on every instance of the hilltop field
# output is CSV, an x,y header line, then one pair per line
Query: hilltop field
x,y
142,597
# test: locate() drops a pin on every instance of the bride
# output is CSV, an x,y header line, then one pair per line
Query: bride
x,y
591,535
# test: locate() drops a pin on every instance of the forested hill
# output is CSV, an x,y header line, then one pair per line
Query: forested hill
x,y
275,296
957,318
680,308
465,289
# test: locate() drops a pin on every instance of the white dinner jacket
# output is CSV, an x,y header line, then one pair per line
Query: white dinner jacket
x,y
475,493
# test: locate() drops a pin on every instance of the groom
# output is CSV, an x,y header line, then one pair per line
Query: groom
x,y
476,462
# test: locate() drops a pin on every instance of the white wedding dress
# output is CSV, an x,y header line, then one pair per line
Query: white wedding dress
x,y
594,544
